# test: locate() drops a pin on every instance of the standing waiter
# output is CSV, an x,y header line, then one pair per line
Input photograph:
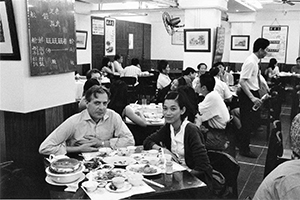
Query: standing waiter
x,y
250,84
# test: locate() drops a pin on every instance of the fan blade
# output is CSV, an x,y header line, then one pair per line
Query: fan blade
x,y
290,3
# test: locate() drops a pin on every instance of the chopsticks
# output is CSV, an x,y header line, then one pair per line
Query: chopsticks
x,y
153,183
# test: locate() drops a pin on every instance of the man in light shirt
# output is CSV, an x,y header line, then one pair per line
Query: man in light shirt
x,y
214,114
134,70
90,129
249,95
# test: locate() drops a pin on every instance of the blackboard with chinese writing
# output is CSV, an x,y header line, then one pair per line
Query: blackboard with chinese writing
x,y
52,36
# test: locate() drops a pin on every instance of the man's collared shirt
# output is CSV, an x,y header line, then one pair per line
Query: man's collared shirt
x,y
163,80
213,110
111,128
250,72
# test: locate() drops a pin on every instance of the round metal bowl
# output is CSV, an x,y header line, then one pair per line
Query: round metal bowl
x,y
65,178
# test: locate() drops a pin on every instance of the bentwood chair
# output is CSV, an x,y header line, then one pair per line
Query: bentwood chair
x,y
228,167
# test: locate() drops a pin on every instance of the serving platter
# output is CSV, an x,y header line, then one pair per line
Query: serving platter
x,y
105,175
144,169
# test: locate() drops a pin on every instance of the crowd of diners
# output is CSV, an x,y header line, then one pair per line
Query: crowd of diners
x,y
197,108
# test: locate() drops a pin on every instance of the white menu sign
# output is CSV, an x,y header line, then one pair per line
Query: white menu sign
x,y
110,37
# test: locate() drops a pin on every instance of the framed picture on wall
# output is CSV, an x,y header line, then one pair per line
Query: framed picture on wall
x,y
177,38
197,40
9,43
81,39
240,42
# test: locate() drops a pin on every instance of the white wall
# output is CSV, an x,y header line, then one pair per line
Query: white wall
x,y
19,92
251,24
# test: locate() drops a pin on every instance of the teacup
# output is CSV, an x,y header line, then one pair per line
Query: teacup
x,y
90,186
131,149
135,179
153,152
118,182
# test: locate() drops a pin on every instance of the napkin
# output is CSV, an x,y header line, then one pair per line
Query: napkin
x,y
72,187
102,193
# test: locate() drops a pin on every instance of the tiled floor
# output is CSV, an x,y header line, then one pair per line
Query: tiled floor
x,y
252,170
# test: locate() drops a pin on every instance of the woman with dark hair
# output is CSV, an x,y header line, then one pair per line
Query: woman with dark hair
x,y
272,71
163,79
106,67
181,138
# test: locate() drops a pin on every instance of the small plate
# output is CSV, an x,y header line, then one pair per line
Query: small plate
x,y
50,181
127,186
137,168
121,161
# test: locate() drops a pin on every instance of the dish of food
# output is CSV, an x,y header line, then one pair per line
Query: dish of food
x,y
121,161
144,169
105,175
111,188
64,166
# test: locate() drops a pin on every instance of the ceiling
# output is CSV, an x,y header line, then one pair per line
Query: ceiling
x,y
233,5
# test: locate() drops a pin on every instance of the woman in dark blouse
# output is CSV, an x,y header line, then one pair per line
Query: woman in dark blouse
x,y
181,138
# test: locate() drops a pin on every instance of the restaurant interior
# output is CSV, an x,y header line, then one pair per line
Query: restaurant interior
x,y
46,91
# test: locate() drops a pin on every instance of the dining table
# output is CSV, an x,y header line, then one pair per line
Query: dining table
x,y
177,184
154,117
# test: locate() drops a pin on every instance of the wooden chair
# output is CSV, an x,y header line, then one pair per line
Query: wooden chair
x,y
131,89
147,86
228,167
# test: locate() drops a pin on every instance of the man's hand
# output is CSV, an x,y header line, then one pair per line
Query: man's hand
x,y
88,147
94,139
256,101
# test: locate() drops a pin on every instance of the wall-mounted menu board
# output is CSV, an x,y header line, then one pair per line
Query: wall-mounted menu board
x,y
52,36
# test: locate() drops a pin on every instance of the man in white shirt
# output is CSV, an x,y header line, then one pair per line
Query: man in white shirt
x,y
249,95
90,129
134,70
117,64
163,79
214,113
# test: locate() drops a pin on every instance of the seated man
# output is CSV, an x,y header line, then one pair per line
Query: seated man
x,y
134,70
90,129
213,111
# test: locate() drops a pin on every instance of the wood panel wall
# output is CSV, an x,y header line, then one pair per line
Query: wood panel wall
x,y
141,46
25,132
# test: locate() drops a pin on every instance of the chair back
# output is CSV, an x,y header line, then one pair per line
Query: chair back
x,y
119,96
227,166
147,85
129,80
275,148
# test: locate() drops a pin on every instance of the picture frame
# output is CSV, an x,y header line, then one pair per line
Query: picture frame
x,y
240,42
81,39
197,40
9,43
177,38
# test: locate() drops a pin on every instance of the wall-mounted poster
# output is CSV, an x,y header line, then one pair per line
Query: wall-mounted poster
x,y
219,44
277,35
52,38
110,37
98,26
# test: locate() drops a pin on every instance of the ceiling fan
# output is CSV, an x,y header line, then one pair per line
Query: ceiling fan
x,y
290,2
171,23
